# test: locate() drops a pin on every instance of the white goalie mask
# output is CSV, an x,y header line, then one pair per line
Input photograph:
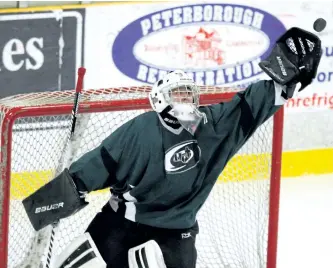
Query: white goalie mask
x,y
178,91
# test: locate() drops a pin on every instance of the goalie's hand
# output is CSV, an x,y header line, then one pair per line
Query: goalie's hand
x,y
294,59
56,200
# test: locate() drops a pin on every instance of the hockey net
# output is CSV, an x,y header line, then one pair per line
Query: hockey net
x,y
238,223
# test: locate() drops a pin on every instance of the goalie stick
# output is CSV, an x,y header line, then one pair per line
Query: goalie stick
x,y
45,237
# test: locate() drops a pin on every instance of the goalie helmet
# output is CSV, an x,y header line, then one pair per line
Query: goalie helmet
x,y
178,93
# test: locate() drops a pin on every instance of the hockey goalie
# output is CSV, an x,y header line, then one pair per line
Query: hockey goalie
x,y
162,165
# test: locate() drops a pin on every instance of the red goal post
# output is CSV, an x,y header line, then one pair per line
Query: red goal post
x,y
35,110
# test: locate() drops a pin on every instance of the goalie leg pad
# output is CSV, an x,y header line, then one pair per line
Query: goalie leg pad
x,y
81,253
56,200
147,255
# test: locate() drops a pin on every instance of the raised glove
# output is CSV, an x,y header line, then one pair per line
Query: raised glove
x,y
294,58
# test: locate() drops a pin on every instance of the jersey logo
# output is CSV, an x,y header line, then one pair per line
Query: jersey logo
x,y
182,157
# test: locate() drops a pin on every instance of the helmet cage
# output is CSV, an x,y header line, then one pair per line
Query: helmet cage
x,y
181,93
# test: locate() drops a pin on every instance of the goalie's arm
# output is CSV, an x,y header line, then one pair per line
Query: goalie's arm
x,y
251,107
293,62
259,102
255,105
248,109
290,68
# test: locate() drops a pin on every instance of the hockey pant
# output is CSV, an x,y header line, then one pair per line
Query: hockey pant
x,y
114,236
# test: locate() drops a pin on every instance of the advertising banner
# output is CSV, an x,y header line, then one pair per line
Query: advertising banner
x,y
40,51
216,43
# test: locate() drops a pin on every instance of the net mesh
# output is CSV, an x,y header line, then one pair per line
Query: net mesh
x,y
233,221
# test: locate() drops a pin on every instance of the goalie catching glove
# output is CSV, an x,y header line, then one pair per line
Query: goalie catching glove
x,y
56,200
294,59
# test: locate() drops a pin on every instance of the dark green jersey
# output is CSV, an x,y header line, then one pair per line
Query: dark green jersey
x,y
162,178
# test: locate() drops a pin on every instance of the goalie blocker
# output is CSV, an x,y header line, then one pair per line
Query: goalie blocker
x,y
56,200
